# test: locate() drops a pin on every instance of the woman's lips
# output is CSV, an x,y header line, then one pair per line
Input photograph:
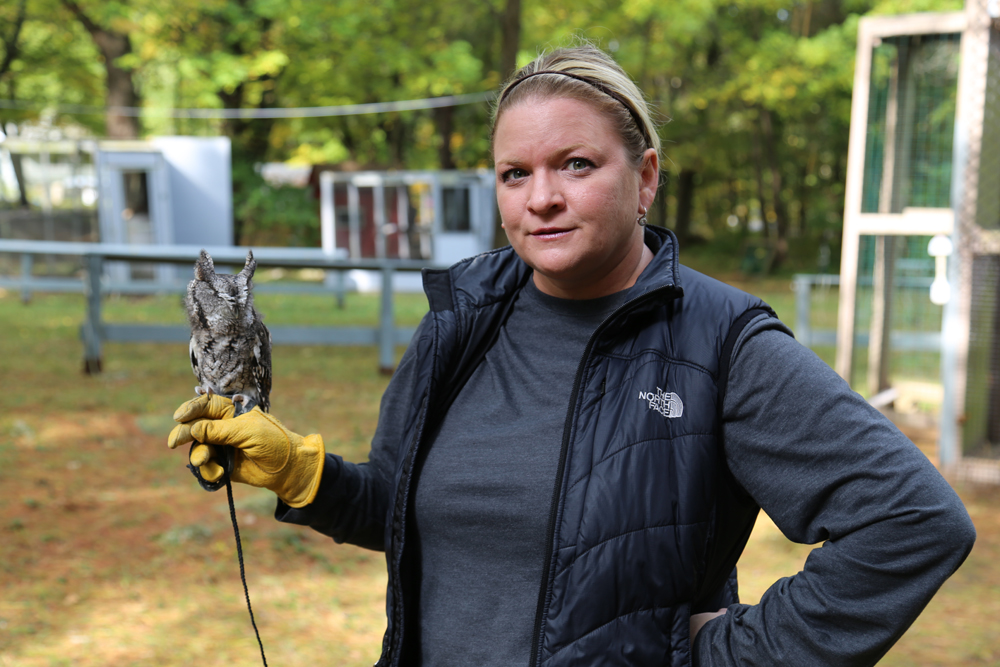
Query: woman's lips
x,y
550,232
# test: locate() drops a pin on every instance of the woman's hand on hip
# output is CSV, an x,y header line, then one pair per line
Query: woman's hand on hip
x,y
698,620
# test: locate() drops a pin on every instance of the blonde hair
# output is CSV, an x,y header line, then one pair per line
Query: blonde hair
x,y
587,74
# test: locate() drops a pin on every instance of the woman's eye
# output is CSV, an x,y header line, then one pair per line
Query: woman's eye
x,y
514,174
578,164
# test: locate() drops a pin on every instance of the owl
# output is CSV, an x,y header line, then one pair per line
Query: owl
x,y
230,346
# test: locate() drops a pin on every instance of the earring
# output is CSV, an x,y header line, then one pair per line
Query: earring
x,y
641,220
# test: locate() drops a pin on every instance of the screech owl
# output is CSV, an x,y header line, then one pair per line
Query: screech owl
x,y
230,346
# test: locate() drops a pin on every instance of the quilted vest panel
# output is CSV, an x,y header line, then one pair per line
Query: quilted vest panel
x,y
640,484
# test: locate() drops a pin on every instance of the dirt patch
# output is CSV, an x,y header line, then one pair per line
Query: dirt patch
x,y
111,555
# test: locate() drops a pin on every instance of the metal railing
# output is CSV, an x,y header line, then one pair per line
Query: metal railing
x,y
27,283
95,331
803,285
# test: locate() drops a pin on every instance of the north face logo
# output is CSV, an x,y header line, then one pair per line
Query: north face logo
x,y
666,403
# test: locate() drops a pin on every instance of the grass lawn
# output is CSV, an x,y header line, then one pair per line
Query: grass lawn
x,y
110,554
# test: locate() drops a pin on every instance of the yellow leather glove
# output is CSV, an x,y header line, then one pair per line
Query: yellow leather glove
x,y
268,455
202,456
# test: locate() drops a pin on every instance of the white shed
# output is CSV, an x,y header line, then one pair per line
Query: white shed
x,y
169,190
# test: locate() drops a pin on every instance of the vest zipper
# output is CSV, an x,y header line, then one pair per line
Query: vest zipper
x,y
543,593
394,645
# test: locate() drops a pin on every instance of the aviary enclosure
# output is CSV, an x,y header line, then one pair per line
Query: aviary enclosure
x,y
920,269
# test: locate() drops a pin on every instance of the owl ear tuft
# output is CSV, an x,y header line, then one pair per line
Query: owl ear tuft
x,y
249,267
204,267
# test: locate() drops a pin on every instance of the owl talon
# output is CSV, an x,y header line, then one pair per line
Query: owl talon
x,y
243,403
201,391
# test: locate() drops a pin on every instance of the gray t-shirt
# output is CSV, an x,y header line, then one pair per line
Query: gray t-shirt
x,y
483,495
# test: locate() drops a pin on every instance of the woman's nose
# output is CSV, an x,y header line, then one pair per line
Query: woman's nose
x,y
546,197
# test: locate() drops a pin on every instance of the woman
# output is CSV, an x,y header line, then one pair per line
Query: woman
x,y
572,453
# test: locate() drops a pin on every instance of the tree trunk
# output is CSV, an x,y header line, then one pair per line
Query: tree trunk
x,y
734,197
660,203
10,44
803,196
647,42
252,135
251,140
777,203
758,172
685,203
15,160
511,38
443,120
12,47
121,89
510,42
397,139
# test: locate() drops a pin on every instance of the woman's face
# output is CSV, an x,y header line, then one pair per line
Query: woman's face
x,y
569,197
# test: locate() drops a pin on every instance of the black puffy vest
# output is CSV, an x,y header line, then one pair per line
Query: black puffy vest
x,y
646,523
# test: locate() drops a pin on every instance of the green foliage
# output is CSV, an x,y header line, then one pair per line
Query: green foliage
x,y
275,215
754,94
55,63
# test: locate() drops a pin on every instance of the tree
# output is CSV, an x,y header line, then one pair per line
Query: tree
x,y
235,46
754,95
739,85
10,35
109,27
511,37
10,43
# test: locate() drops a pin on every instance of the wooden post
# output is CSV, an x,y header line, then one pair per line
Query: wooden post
x,y
879,332
354,220
27,262
92,328
386,327
379,218
803,289
892,193
402,222
844,362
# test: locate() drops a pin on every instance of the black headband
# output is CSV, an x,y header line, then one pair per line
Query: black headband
x,y
593,83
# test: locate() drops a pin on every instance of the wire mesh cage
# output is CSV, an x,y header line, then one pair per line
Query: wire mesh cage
x,y
911,123
920,269
981,418
898,197
913,321
970,421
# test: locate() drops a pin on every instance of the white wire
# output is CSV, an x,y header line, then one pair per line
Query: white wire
x,y
251,114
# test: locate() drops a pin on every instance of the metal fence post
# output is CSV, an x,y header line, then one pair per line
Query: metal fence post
x,y
386,326
803,288
92,330
27,262
341,288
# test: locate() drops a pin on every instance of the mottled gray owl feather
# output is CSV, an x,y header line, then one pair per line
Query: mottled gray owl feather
x,y
230,346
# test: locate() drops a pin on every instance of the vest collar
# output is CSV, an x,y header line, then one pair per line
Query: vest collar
x,y
496,275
